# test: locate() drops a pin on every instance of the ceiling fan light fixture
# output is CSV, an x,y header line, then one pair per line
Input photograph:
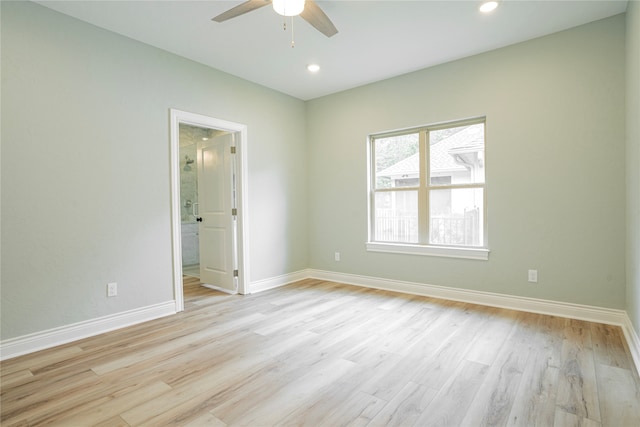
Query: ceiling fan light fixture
x,y
288,7
488,6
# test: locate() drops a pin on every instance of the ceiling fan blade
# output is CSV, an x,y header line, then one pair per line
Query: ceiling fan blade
x,y
316,17
241,9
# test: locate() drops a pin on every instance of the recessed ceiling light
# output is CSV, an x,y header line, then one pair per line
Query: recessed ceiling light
x,y
314,68
488,6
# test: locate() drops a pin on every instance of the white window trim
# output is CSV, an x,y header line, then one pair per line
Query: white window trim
x,y
466,252
481,254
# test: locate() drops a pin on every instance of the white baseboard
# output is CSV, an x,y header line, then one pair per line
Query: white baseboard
x,y
632,340
531,305
18,346
276,282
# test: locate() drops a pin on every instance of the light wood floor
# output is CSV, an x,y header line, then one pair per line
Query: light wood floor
x,y
322,354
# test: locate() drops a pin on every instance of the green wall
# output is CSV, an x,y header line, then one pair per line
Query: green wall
x,y
85,169
633,163
555,109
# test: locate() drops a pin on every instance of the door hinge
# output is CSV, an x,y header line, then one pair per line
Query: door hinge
x,y
235,273
234,211
233,149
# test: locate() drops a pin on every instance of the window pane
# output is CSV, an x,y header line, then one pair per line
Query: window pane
x,y
397,161
457,155
456,217
396,216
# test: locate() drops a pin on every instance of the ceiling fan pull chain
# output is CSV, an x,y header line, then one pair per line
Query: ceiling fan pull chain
x,y
293,43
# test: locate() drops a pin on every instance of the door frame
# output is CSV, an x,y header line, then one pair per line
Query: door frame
x,y
178,117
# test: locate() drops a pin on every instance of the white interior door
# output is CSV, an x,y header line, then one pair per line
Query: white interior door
x,y
215,198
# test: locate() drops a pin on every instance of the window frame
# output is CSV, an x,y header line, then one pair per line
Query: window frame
x,y
424,247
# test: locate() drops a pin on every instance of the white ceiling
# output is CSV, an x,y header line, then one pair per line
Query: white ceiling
x,y
376,39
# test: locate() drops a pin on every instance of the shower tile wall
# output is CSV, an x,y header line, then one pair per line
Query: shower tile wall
x,y
188,183
189,137
190,244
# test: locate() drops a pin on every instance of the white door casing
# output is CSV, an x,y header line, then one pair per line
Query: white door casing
x,y
241,198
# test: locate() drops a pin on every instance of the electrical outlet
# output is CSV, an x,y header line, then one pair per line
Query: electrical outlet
x,y
112,289
336,256
533,276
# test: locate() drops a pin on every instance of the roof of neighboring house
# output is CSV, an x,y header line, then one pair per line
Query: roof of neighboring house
x,y
442,159
408,166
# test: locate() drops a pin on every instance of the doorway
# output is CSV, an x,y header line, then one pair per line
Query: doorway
x,y
208,197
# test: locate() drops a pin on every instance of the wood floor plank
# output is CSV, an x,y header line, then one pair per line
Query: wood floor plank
x,y
82,398
349,407
608,346
287,398
535,400
577,383
622,407
450,404
90,413
317,353
389,379
484,349
566,419
438,367
406,407
356,411
344,403
43,396
504,376
162,406
12,378
206,419
112,422
37,360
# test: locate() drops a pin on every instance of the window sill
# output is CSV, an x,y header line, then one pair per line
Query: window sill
x,y
440,251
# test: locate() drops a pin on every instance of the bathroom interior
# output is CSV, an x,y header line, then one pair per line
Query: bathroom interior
x,y
189,138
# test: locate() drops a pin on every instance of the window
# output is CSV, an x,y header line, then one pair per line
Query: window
x,y
427,191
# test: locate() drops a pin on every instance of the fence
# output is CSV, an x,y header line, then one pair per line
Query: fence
x,y
461,230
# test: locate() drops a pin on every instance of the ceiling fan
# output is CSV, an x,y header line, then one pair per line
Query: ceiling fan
x,y
307,9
